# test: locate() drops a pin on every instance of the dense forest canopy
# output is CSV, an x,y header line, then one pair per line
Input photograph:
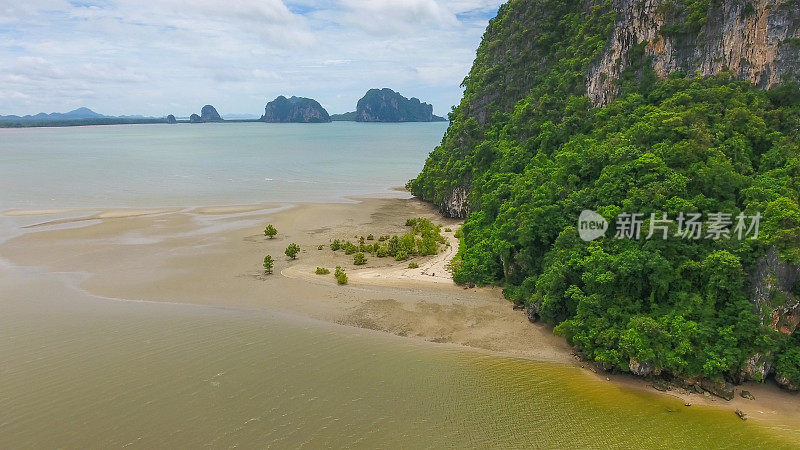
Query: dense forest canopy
x,y
533,152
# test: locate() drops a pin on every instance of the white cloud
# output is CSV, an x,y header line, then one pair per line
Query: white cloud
x,y
173,56
391,16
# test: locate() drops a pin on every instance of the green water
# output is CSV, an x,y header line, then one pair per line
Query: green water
x,y
81,372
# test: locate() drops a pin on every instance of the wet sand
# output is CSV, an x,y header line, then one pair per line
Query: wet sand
x,y
213,255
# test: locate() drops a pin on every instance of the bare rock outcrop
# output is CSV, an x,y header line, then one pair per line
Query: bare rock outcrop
x,y
756,40
786,383
457,205
772,285
641,368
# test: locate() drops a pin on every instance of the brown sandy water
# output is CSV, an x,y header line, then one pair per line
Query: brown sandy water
x,y
86,372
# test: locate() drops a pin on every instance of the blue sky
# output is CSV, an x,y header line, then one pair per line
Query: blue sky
x,y
174,56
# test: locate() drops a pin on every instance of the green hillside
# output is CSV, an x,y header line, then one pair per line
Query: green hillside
x,y
532,152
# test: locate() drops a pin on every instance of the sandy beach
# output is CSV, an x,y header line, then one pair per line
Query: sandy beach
x,y
212,255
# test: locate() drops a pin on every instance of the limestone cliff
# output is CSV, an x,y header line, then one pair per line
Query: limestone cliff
x,y
755,39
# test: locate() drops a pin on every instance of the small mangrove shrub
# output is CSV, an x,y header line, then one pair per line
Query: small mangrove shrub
x,y
292,250
359,259
268,264
341,277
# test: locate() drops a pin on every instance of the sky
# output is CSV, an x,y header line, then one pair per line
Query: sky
x,y
174,56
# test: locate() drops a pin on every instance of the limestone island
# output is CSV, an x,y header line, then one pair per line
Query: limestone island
x,y
207,114
294,110
386,105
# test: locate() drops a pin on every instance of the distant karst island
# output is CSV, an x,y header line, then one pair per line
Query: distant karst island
x,y
377,105
207,114
294,110
386,105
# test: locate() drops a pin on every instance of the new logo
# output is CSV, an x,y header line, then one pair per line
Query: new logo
x,y
591,225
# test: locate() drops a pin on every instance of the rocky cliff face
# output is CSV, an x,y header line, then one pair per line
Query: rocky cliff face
x,y
296,110
772,292
456,205
386,105
772,287
755,39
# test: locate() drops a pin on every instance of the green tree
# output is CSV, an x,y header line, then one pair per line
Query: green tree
x,y
268,264
292,250
359,259
270,231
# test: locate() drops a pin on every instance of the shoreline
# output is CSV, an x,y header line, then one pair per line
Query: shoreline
x,y
211,255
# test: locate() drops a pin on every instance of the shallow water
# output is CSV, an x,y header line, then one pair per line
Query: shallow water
x,y
86,372
79,371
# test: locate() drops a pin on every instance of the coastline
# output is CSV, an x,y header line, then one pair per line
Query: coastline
x,y
211,256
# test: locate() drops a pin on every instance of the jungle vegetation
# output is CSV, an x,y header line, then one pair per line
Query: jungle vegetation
x,y
533,152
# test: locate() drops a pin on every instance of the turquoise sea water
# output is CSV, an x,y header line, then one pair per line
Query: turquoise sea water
x,y
204,164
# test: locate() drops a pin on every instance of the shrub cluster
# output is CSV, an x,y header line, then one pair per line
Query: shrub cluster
x,y
424,239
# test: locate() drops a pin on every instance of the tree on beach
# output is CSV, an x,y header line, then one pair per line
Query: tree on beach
x,y
341,277
292,250
268,265
270,231
359,259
